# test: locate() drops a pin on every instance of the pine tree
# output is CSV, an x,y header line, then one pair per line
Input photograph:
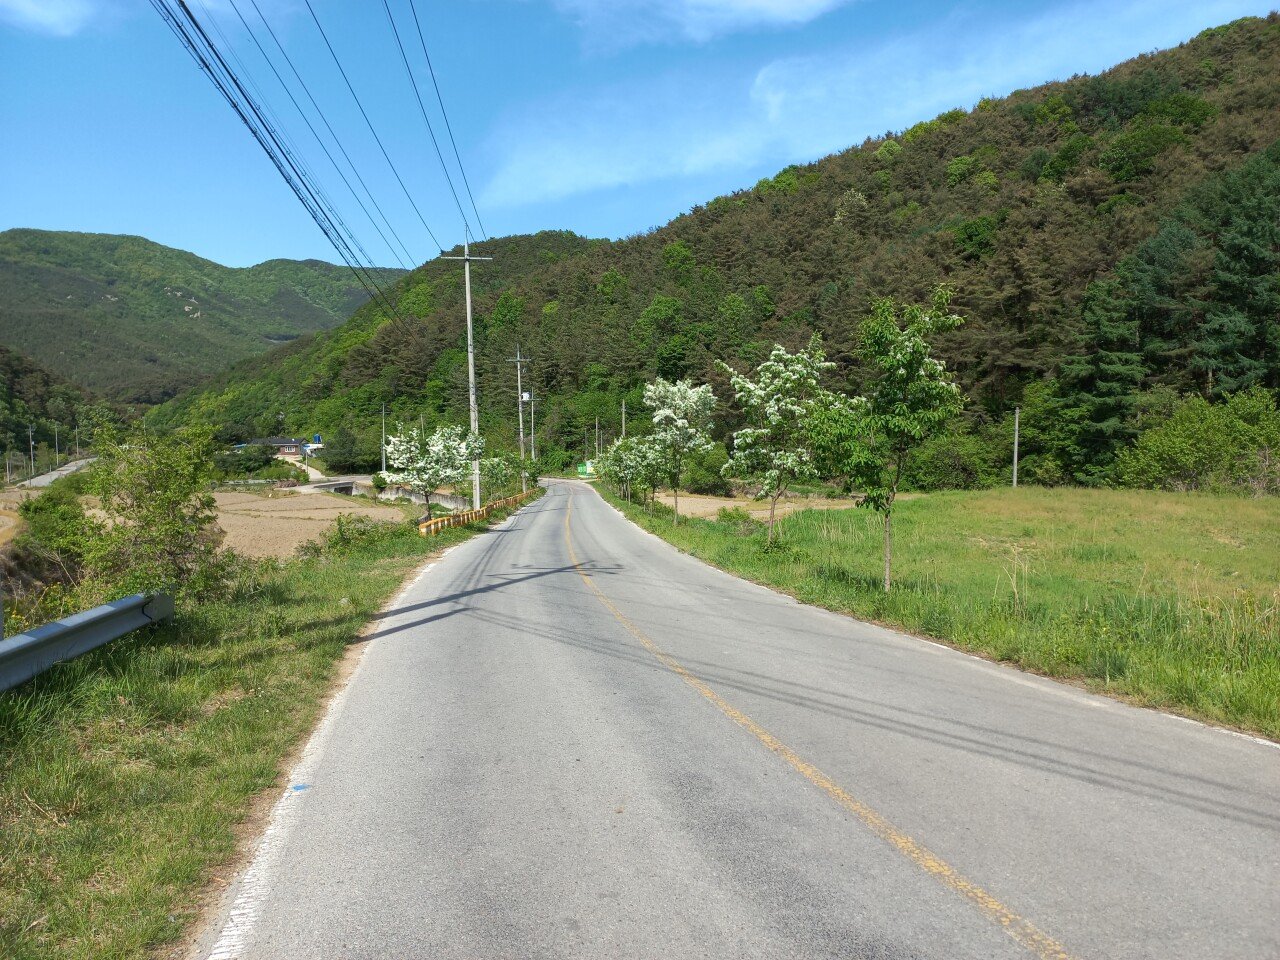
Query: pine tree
x,y
1100,384
1238,341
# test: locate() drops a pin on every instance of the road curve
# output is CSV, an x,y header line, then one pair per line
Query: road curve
x,y
569,740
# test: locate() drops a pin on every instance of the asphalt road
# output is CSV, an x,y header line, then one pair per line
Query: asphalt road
x,y
569,740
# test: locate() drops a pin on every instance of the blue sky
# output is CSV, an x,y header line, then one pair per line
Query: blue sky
x,y
602,116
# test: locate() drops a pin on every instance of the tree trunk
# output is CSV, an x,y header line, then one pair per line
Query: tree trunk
x,y
675,494
888,546
773,506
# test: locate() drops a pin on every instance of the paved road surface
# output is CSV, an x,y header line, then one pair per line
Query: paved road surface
x,y
44,479
569,740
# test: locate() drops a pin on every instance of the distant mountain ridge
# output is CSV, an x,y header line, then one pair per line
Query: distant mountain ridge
x,y
1110,239
137,321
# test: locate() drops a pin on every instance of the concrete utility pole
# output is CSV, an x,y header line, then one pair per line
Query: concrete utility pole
x,y
466,259
384,438
519,360
57,454
31,441
624,418
597,437
1017,416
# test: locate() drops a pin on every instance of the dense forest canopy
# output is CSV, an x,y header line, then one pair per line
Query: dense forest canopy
x,y
1110,240
136,321
32,401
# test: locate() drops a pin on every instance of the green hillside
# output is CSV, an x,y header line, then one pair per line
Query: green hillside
x,y
32,397
136,321
1112,236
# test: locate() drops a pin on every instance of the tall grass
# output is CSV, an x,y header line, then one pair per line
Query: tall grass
x,y
123,774
1171,600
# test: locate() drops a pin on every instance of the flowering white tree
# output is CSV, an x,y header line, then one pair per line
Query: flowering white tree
x,y
774,447
681,426
424,462
630,464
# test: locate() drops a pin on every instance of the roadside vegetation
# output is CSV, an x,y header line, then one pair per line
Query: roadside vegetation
x,y
124,773
1170,600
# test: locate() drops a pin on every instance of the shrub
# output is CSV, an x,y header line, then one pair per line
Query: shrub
x,y
960,169
1183,110
1067,158
1133,154
1033,166
702,475
956,461
1233,446
889,151
977,237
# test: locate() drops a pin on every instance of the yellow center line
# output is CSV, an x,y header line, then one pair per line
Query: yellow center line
x,y
1021,929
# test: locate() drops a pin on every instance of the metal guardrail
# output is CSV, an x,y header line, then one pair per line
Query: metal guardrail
x,y
431,527
24,655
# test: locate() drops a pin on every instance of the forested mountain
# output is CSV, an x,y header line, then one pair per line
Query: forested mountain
x,y
32,397
1110,240
136,321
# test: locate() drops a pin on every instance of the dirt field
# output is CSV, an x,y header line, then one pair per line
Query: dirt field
x,y
697,505
10,522
275,524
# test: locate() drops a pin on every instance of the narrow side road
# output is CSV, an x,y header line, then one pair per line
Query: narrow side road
x,y
569,740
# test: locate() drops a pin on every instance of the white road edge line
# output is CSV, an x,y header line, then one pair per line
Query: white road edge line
x,y
254,883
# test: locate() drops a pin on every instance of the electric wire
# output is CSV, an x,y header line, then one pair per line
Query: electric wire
x,y
291,147
333,53
329,127
413,82
445,113
206,54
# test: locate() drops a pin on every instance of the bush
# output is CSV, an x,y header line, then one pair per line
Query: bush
x,y
888,151
351,533
159,531
1067,158
960,169
1132,155
1231,446
977,237
702,475
956,461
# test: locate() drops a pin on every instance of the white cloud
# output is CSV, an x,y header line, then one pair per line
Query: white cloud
x,y
61,18
802,108
623,22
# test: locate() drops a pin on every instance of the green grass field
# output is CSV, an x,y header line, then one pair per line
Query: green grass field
x,y
1170,600
123,774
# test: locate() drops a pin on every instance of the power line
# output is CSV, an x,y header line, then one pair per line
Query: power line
x,y
325,120
207,56
290,147
445,113
413,82
369,122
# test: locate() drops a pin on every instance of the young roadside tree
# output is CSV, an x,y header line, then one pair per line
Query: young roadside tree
x,y
911,398
681,426
632,465
424,462
158,530
774,448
